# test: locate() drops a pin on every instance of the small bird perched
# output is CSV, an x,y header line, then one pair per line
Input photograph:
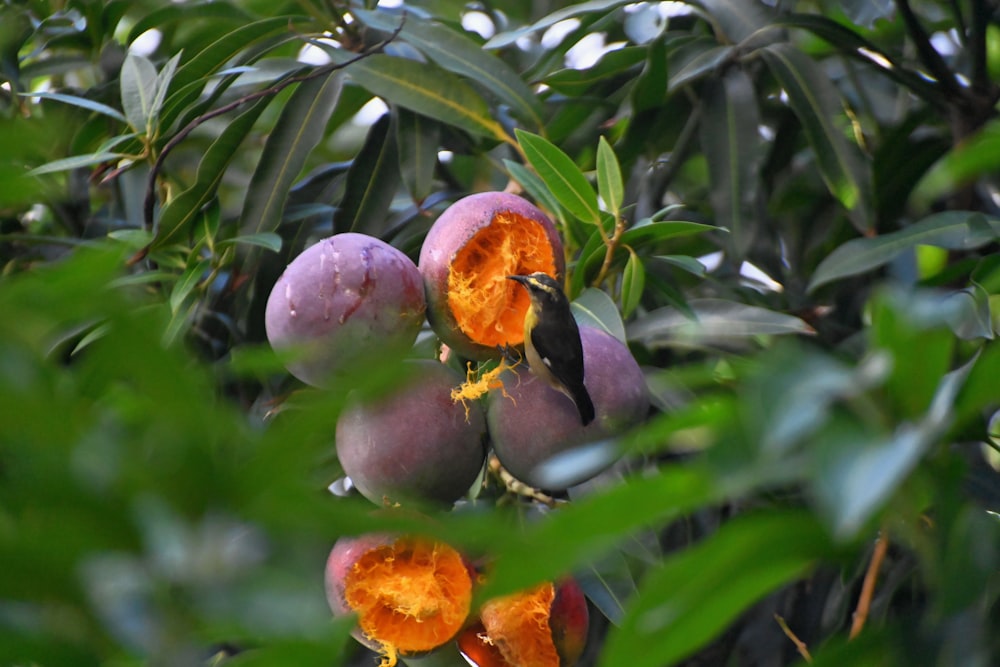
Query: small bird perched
x,y
552,341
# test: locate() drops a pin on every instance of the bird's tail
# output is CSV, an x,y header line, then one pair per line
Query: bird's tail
x,y
583,403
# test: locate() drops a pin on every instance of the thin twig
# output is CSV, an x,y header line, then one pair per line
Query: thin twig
x,y
929,56
868,586
800,645
149,204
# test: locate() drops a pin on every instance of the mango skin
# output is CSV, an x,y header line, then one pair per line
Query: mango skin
x,y
534,422
453,229
345,297
417,443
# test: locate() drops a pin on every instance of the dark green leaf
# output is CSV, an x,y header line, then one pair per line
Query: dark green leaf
x,y
580,81
267,240
534,186
695,594
716,320
180,213
296,133
576,9
596,309
191,78
458,53
737,20
75,162
561,175
81,102
609,177
138,91
731,139
705,58
816,103
417,138
371,183
425,89
953,230
633,283
175,13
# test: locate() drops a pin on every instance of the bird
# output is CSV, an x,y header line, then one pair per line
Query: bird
x,y
552,341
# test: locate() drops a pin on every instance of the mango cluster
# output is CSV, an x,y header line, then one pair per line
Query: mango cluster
x,y
351,299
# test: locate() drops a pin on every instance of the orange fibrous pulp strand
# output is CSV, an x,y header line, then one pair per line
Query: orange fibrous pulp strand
x,y
518,626
487,307
476,384
410,596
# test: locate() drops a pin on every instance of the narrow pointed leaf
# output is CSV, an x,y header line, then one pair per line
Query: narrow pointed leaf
x,y
731,141
267,240
75,162
175,13
296,133
952,230
138,90
178,216
461,55
561,176
417,139
699,591
633,283
425,89
371,183
714,320
596,309
190,78
162,85
609,177
816,103
576,9
737,19
81,102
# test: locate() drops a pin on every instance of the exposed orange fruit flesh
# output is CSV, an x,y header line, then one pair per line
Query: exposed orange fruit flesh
x,y
475,646
518,626
487,307
410,596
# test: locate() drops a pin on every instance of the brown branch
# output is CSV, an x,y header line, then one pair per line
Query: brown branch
x,y
868,586
149,203
800,645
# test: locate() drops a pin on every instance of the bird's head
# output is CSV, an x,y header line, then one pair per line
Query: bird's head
x,y
541,286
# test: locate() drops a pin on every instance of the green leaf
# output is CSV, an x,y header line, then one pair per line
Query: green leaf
x,y
698,592
576,82
561,175
609,178
716,320
816,102
952,230
176,13
533,185
190,78
267,240
81,102
417,139
371,182
608,583
296,132
457,53
179,214
974,157
138,92
596,309
633,283
731,141
706,59
75,162
737,20
507,38
425,89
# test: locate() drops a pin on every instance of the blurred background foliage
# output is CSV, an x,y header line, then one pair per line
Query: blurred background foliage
x,y
796,231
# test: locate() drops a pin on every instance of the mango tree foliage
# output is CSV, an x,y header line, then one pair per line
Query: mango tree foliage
x,y
789,210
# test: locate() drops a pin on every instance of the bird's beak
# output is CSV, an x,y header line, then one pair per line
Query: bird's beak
x,y
521,279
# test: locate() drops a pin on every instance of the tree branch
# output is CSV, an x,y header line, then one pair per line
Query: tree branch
x,y
868,586
929,56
